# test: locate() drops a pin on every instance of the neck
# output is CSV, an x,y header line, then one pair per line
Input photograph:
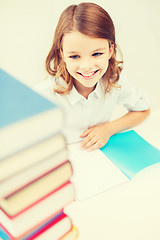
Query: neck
x,y
84,91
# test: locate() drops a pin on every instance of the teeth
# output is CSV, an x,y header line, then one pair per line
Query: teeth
x,y
89,75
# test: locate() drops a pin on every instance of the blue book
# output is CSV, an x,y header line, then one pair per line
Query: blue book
x,y
130,152
26,117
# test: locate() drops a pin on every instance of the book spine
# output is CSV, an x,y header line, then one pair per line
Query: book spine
x,y
36,202
45,227
36,179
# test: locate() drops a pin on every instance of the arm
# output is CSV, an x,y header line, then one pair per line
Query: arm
x,y
97,136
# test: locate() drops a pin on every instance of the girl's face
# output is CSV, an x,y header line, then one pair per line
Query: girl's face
x,y
86,58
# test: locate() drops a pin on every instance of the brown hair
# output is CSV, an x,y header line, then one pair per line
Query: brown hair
x,y
91,20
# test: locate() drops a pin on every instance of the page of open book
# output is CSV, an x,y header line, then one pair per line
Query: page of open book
x,y
93,172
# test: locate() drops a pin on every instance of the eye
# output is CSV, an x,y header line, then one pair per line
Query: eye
x,y
96,54
74,57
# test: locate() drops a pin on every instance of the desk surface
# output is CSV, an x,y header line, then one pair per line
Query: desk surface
x,y
127,212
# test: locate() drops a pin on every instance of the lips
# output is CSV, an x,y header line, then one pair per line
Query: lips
x,y
88,75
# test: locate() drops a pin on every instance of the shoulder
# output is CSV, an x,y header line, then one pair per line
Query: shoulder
x,y
124,85
43,84
45,87
123,78
130,95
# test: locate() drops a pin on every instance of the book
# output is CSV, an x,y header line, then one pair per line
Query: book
x,y
123,156
71,235
3,234
27,176
30,156
41,211
24,111
30,194
54,228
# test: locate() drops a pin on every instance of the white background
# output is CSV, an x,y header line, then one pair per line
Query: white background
x,y
27,29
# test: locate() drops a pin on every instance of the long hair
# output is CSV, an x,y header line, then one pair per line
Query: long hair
x,y
93,21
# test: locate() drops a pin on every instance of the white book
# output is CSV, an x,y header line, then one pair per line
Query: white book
x,y
28,175
28,157
56,231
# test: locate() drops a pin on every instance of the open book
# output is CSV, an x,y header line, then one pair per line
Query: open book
x,y
124,155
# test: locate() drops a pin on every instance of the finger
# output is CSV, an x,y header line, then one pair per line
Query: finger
x,y
87,139
85,133
97,145
89,143
93,147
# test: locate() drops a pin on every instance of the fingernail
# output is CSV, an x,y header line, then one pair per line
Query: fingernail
x,y
82,147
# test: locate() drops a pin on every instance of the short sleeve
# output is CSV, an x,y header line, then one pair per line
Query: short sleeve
x,y
130,96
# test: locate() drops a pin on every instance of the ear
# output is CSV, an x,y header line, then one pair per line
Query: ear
x,y
111,50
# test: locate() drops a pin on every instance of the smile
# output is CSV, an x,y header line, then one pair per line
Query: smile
x,y
89,75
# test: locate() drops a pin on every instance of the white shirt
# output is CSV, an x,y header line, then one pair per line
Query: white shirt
x,y
82,113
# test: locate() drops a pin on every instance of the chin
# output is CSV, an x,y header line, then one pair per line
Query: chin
x,y
89,85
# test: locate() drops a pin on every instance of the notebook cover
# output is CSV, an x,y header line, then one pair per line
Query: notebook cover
x,y
130,152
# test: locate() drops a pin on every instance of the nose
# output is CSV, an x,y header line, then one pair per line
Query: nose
x,y
86,65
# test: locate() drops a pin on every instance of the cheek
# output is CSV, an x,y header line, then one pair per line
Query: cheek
x,y
104,63
71,66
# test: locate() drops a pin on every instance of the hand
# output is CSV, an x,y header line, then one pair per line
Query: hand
x,y
95,137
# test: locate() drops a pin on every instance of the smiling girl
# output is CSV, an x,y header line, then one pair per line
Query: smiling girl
x,y
87,80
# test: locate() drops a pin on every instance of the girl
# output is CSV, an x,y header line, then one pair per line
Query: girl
x,y
87,80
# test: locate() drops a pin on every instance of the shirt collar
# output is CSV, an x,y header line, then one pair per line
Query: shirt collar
x,y
74,96
98,91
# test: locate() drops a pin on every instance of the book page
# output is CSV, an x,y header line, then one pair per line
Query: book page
x,y
93,172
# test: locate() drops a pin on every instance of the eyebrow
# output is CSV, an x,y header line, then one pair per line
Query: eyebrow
x,y
72,52
99,49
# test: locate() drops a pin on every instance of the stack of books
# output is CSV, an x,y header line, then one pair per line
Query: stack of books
x,y
34,168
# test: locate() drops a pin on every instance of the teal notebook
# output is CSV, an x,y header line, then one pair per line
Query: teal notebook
x,y
130,152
